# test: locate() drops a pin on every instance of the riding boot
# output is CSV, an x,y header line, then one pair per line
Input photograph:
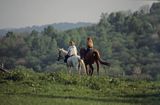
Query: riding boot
x,y
65,59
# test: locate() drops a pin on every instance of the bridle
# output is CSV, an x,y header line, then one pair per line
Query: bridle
x,y
59,55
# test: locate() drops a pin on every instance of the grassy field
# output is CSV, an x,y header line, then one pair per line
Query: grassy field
x,y
25,87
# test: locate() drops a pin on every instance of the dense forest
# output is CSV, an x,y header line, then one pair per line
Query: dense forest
x,y
129,40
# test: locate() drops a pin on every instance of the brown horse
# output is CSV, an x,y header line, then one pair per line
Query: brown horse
x,y
91,57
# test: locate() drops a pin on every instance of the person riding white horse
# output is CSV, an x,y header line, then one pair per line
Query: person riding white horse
x,y
72,59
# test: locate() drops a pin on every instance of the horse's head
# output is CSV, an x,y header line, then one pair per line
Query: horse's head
x,y
60,55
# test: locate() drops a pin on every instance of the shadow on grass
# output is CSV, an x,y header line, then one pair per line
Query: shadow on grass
x,y
121,99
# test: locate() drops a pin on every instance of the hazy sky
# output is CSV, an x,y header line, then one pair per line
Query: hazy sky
x,y
21,13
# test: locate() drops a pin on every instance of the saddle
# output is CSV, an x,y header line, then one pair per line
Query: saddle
x,y
66,57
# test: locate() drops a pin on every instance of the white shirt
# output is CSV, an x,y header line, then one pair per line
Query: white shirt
x,y
72,50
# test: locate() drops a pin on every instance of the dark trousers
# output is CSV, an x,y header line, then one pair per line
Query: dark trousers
x,y
65,59
88,50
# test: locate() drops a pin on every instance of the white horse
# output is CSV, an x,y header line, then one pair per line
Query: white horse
x,y
74,62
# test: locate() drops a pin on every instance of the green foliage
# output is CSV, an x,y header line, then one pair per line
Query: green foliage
x,y
123,38
20,73
155,8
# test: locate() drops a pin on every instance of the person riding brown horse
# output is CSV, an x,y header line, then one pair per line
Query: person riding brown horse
x,y
91,56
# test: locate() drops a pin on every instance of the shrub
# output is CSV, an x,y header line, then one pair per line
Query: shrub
x,y
15,76
19,73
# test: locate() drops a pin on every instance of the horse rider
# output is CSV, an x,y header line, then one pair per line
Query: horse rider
x,y
72,50
89,44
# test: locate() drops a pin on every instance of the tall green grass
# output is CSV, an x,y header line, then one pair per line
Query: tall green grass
x,y
25,87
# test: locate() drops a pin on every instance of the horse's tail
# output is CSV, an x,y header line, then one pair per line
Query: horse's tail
x,y
82,64
97,56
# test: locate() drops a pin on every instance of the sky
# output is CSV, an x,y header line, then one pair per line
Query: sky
x,y
22,13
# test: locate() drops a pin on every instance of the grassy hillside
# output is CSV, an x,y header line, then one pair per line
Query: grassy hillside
x,y
26,87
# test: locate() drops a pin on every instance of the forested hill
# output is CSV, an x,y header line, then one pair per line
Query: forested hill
x,y
130,41
59,26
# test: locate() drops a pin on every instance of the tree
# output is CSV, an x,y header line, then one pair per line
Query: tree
x,y
103,20
50,31
145,9
155,8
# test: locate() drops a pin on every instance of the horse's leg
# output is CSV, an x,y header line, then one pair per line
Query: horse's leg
x,y
87,71
83,67
97,63
91,69
78,67
68,68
